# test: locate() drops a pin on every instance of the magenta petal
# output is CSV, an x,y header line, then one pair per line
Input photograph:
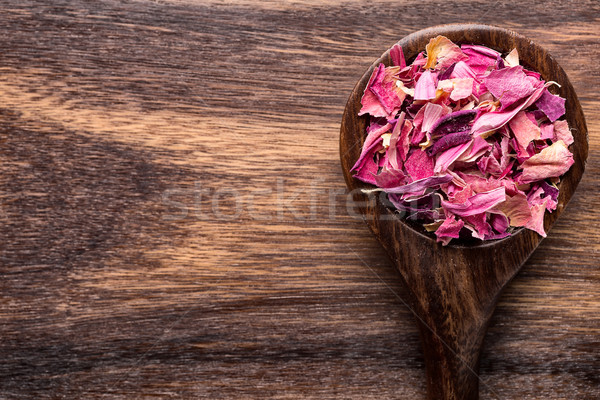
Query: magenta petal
x,y
388,178
450,229
462,70
421,184
491,121
419,165
481,202
370,102
426,85
553,106
481,58
509,85
499,222
445,159
366,168
478,225
397,56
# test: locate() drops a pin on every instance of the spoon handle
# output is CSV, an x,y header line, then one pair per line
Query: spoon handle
x,y
452,358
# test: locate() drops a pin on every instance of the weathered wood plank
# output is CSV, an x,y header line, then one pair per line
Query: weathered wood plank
x,y
110,111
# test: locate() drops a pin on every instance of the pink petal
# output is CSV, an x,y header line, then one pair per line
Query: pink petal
x,y
366,168
516,208
426,85
553,106
553,161
382,98
450,229
421,184
488,122
536,223
476,204
445,159
397,56
524,130
547,131
404,140
442,53
478,225
462,70
479,147
419,165
562,132
388,178
509,85
370,102
463,88
392,152
481,58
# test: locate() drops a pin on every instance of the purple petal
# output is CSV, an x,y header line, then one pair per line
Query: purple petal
x,y
420,184
455,122
553,106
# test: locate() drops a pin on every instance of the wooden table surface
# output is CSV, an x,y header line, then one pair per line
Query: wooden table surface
x,y
174,221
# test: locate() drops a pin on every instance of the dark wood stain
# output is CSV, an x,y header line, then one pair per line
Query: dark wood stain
x,y
107,106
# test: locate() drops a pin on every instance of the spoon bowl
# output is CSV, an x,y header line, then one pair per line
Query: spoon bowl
x,y
453,290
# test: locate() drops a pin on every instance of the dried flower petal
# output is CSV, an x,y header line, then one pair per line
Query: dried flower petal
x,y
442,52
552,161
553,106
464,141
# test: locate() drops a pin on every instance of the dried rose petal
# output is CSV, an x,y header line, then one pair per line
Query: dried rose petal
x,y
464,140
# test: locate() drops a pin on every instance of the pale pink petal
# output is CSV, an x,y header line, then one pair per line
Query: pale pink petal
x,y
553,161
562,132
536,223
426,85
462,88
516,208
524,130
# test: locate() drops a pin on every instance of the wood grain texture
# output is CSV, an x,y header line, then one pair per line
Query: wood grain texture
x,y
453,289
122,277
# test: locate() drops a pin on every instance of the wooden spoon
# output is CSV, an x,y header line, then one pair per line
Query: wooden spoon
x,y
453,290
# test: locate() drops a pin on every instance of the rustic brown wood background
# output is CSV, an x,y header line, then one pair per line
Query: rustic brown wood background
x,y
146,149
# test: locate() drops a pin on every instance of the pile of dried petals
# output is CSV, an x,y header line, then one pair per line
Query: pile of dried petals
x,y
465,141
